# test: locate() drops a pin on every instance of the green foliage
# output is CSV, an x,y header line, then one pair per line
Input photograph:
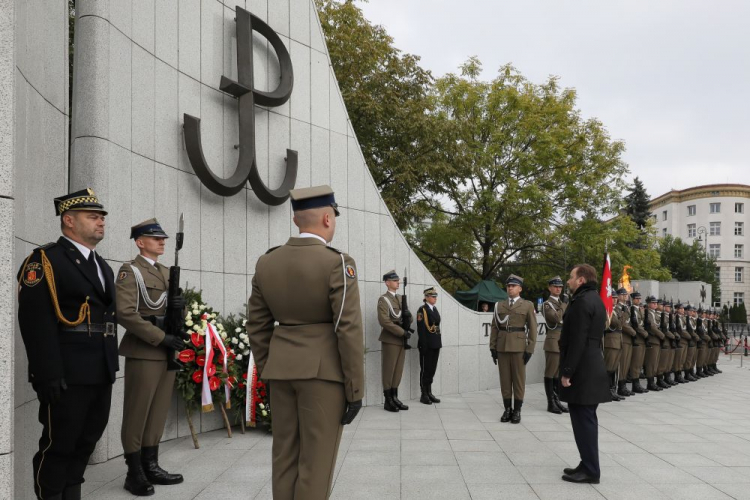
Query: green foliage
x,y
689,263
738,314
636,204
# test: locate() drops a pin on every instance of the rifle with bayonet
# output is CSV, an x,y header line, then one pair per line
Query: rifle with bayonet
x,y
406,317
174,321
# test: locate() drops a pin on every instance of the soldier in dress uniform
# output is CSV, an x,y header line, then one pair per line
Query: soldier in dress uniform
x,y
639,343
142,286
612,344
392,342
66,312
692,328
653,344
718,341
704,342
305,329
685,331
680,347
512,343
666,357
428,329
552,312
628,334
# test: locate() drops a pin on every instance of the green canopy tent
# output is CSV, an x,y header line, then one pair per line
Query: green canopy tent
x,y
484,291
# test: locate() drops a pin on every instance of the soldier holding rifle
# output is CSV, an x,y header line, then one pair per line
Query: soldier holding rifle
x,y
639,343
393,336
628,335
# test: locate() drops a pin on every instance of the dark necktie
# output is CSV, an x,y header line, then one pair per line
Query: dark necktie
x,y
92,262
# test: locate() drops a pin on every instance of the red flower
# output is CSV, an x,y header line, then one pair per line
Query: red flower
x,y
204,316
201,360
196,339
241,386
214,383
231,381
244,375
211,370
198,376
187,355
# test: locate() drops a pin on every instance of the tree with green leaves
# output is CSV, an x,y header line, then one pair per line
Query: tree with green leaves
x,y
689,263
387,95
521,164
637,204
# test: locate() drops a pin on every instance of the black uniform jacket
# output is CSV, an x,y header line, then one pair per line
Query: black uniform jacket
x,y
429,338
581,356
78,357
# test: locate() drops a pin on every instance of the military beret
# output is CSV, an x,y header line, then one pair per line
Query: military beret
x,y
390,275
556,281
148,227
430,292
635,295
84,199
313,197
622,291
514,280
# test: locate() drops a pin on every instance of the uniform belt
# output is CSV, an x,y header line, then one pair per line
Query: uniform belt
x,y
514,329
108,329
613,331
308,324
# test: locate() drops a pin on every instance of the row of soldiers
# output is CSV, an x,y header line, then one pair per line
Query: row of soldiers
x,y
665,343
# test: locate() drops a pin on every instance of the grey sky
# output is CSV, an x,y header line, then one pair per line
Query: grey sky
x,y
669,77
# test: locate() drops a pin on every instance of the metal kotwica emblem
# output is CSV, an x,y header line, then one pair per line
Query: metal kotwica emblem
x,y
244,90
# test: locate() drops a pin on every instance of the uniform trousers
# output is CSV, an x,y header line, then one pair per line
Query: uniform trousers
x,y
636,362
551,364
392,365
651,362
586,432
148,396
701,358
512,375
626,354
664,360
612,358
428,360
306,435
691,357
687,356
678,361
70,429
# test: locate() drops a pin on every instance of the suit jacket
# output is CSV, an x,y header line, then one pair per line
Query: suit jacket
x,y
428,328
553,311
53,353
311,290
581,356
521,315
142,338
389,317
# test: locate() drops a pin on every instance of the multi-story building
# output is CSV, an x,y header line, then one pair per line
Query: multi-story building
x,y
716,215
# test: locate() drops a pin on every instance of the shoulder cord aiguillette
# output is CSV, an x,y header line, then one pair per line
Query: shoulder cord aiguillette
x,y
143,292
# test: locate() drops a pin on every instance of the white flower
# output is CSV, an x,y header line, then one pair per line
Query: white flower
x,y
241,346
219,326
202,307
196,312
264,413
244,337
188,316
189,323
234,341
237,330
213,322
239,356
262,406
246,352
244,322
223,335
197,328
213,315
194,305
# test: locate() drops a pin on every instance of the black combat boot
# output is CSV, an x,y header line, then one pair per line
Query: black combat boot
x,y
652,385
707,370
672,379
431,395
556,395
613,387
716,368
549,391
660,382
389,404
515,418
136,481
394,394
154,473
425,398
699,373
691,376
508,411
72,492
678,378
622,389
637,388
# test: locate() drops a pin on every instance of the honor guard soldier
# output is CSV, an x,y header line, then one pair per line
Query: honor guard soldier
x,y
391,339
305,327
66,313
628,335
552,312
142,286
718,340
512,343
704,341
639,343
612,344
428,329
666,356
653,343
675,325
688,343
692,328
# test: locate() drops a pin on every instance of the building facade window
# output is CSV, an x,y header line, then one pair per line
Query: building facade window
x,y
691,230
739,229
664,215
664,231
715,208
714,250
739,274
691,209
739,298
717,273
714,228
739,208
739,251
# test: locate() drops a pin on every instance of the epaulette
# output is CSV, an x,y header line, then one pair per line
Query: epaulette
x,y
272,249
46,246
334,249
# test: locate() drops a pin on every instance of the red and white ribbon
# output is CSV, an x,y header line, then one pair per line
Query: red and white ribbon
x,y
209,369
251,396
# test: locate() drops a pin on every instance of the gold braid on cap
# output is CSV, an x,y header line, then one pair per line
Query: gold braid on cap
x,y
84,312
431,329
65,205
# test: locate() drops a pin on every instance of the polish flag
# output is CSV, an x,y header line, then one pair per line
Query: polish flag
x,y
605,292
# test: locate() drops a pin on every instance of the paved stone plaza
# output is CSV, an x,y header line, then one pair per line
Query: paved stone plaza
x,y
689,442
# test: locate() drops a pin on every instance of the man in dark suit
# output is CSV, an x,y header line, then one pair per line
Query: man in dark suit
x,y
66,312
582,370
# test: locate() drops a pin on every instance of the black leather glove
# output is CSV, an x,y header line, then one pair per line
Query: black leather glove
x,y
526,357
177,302
172,342
50,392
407,334
494,355
351,411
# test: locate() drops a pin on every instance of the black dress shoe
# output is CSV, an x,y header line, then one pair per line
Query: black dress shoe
x,y
580,477
570,471
425,399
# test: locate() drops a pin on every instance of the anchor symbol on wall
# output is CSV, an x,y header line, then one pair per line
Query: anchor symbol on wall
x,y
244,90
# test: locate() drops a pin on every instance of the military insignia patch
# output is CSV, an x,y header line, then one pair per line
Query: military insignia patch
x,y
122,276
33,274
350,271
419,316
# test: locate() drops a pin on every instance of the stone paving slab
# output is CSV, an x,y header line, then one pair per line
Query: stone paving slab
x,y
688,442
